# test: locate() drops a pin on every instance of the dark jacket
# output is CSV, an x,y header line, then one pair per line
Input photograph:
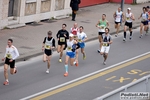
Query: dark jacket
x,y
74,4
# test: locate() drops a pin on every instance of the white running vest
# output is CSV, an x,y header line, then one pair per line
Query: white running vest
x,y
128,17
144,16
69,45
118,16
48,44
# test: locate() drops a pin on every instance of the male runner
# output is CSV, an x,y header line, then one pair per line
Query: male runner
x,y
10,57
74,30
106,41
144,21
102,24
119,17
62,37
48,45
129,19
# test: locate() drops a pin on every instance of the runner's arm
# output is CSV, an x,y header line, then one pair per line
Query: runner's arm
x,y
53,43
97,25
16,53
114,15
132,17
44,42
107,24
123,17
57,35
140,16
85,38
110,42
67,35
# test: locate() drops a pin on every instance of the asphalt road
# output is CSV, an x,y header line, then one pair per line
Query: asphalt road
x,y
31,77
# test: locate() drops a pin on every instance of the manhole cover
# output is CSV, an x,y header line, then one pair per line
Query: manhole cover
x,y
24,47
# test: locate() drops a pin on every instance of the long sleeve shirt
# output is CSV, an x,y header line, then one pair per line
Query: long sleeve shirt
x,y
11,52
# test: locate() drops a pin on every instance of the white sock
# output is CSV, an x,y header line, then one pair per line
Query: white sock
x,y
7,80
74,62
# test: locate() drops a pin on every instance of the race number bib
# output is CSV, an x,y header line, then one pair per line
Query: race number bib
x,y
8,56
75,36
47,47
128,18
69,48
79,40
105,44
62,39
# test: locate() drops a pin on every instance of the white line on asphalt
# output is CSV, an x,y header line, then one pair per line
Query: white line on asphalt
x,y
80,78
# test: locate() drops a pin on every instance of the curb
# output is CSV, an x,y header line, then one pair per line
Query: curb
x,y
40,53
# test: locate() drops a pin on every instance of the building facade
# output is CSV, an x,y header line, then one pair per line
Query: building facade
x,y
19,12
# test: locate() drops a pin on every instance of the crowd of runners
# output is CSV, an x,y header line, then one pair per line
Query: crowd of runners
x,y
75,39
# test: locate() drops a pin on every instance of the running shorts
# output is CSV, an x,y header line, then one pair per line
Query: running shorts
x,y
12,64
48,52
70,54
129,24
100,33
82,44
105,49
144,23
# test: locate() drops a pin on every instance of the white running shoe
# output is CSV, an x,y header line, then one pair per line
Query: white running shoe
x,y
47,71
124,39
104,62
98,51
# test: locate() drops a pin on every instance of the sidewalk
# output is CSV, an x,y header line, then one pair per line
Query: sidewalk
x,y
29,39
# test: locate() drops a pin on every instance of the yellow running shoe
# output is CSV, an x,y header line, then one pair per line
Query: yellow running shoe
x,y
60,60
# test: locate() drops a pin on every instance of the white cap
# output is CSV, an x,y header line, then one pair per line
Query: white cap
x,y
71,35
129,8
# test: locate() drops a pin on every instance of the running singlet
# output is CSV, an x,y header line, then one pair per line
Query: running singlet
x,y
74,31
70,45
11,52
48,44
128,17
144,17
118,16
103,25
81,36
106,38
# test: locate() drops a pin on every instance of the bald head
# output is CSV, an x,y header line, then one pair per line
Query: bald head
x,y
75,25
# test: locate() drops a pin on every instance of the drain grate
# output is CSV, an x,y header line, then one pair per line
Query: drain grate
x,y
24,47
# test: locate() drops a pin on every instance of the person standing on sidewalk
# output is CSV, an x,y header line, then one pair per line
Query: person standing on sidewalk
x,y
144,22
106,41
74,4
119,17
48,46
102,24
129,19
10,57
72,46
62,37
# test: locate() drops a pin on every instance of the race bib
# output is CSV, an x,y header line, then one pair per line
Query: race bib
x,y
47,47
105,44
75,36
62,39
69,48
128,18
102,27
79,40
8,56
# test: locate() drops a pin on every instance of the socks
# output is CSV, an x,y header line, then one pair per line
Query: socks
x,y
66,68
74,62
125,35
7,80
131,33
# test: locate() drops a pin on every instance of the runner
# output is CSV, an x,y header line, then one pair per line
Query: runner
x,y
48,46
144,22
119,17
62,36
70,53
74,30
102,24
107,40
129,19
148,10
82,37
10,57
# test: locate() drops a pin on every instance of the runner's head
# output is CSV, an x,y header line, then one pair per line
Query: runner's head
x,y
144,9
75,25
71,36
49,33
129,10
81,29
64,26
147,8
10,41
106,30
103,16
119,9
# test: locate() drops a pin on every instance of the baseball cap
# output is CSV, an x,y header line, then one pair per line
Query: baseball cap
x,y
129,8
70,35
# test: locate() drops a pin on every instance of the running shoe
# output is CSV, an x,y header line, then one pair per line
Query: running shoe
x,y
141,36
84,57
6,83
60,60
98,51
124,39
130,37
116,35
76,64
66,74
47,71
104,62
